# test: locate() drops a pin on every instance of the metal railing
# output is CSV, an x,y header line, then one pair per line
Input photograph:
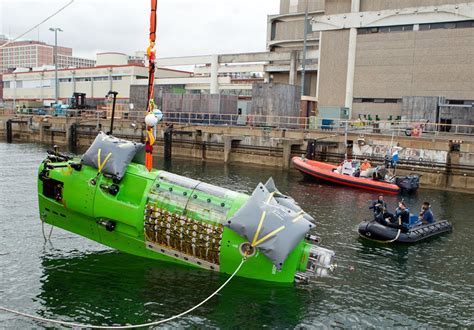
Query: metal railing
x,y
400,128
409,128
50,112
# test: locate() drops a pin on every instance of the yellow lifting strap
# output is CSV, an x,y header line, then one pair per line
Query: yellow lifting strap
x,y
101,165
257,241
298,217
151,138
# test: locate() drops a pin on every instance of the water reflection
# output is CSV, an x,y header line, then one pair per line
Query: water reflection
x,y
111,287
430,284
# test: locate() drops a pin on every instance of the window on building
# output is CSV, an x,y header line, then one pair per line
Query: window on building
x,y
6,84
447,25
467,24
460,102
273,30
385,29
117,78
376,100
397,28
435,26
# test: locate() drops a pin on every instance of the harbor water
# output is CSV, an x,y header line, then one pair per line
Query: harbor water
x,y
428,284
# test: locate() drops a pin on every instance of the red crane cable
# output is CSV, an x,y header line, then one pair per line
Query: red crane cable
x,y
150,140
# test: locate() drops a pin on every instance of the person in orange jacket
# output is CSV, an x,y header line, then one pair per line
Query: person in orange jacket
x,y
365,165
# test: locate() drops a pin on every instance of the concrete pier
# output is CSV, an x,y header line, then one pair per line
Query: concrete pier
x,y
228,141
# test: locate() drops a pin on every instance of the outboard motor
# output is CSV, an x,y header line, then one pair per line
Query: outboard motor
x,y
408,183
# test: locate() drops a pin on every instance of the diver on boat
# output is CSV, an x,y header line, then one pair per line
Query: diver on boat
x,y
399,220
378,203
381,215
380,210
402,213
426,215
402,227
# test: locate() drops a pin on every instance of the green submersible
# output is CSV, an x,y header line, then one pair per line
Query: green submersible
x,y
109,196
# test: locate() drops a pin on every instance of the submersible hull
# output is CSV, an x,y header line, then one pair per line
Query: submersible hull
x,y
160,215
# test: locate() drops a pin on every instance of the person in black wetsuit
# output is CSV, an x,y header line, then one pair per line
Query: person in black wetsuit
x,y
378,201
401,219
380,210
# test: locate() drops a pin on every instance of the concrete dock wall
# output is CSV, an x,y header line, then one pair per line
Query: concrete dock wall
x,y
443,163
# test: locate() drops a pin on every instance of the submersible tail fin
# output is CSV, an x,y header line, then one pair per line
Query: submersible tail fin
x,y
281,227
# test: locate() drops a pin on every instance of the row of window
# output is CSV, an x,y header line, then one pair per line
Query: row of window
x,y
460,102
50,82
33,53
448,25
102,78
20,60
28,83
23,60
17,49
376,100
421,27
397,100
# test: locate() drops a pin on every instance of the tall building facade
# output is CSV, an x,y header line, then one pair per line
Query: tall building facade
x,y
376,56
30,54
286,33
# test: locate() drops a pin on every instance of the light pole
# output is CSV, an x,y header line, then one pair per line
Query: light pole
x,y
305,45
56,83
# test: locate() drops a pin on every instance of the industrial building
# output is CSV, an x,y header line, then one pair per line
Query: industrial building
x,y
385,59
112,72
367,59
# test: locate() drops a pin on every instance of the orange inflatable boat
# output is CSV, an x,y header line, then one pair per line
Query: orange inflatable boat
x,y
328,172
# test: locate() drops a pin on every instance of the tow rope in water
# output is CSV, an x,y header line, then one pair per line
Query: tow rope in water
x,y
149,324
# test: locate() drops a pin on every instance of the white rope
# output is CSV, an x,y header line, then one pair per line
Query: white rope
x,y
396,237
398,234
42,230
150,324
34,27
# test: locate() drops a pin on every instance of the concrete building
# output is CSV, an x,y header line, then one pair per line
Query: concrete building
x,y
224,72
112,72
374,55
285,33
29,54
